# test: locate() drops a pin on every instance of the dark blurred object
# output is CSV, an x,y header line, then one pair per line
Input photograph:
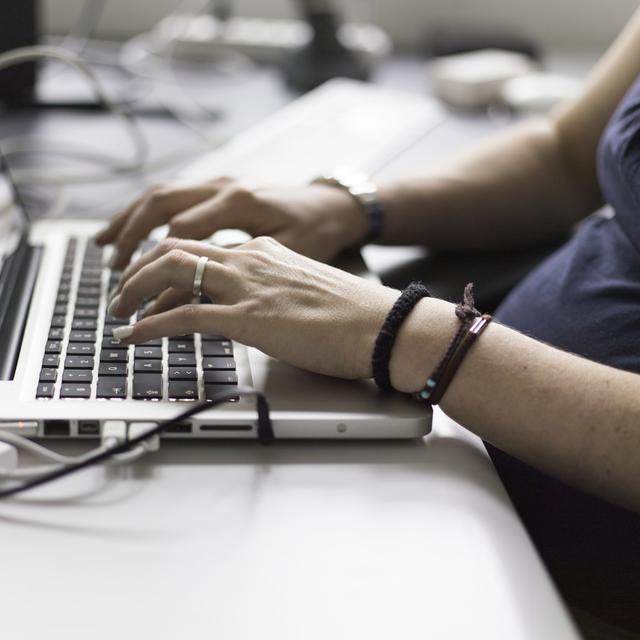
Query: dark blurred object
x,y
447,41
18,28
325,57
494,273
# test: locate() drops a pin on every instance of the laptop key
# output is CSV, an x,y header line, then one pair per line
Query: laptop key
x,y
92,302
111,343
181,346
53,346
88,291
217,349
212,390
147,386
82,324
60,309
48,375
75,391
218,364
63,298
56,333
77,375
151,343
149,353
182,360
82,336
58,322
212,337
81,348
150,366
78,362
111,387
51,360
221,377
183,373
114,355
183,389
112,369
45,390
85,312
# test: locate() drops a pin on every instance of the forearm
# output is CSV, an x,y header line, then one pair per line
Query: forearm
x,y
513,190
574,419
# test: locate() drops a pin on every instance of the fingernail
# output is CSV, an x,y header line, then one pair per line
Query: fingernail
x,y
122,333
113,292
114,260
113,305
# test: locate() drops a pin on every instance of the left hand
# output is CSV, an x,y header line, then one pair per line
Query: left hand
x,y
263,295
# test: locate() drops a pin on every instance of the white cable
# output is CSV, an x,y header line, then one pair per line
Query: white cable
x,y
60,461
38,52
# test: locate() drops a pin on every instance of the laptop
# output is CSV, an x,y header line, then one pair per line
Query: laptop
x,y
62,375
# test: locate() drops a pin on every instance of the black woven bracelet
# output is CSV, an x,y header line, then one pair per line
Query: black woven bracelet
x,y
387,336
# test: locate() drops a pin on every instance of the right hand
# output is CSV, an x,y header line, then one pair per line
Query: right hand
x,y
318,221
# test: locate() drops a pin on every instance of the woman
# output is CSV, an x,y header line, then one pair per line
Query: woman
x,y
564,399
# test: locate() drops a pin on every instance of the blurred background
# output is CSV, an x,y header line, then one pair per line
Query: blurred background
x,y
559,24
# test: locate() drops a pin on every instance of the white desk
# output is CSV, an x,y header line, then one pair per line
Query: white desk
x,y
295,541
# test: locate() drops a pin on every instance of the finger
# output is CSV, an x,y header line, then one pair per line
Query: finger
x,y
156,209
175,269
235,207
111,231
189,318
166,246
169,299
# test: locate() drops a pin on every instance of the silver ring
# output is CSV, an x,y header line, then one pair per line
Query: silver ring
x,y
199,275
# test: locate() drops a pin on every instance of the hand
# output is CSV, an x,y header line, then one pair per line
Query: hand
x,y
318,220
264,295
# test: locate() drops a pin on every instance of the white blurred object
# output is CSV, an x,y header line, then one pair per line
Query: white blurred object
x,y
6,197
202,37
474,80
539,92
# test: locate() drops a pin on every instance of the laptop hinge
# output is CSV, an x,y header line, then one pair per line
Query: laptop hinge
x,y
18,282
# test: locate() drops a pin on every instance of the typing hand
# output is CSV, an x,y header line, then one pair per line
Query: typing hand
x,y
317,221
296,309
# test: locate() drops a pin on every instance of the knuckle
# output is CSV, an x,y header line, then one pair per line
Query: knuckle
x,y
169,244
261,243
177,258
239,195
188,313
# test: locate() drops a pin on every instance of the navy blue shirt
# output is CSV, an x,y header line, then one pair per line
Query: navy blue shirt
x,y
585,299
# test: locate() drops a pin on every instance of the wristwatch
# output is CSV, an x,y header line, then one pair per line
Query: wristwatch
x,y
360,186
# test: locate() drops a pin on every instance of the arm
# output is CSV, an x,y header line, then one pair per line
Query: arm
x,y
532,182
572,418
577,420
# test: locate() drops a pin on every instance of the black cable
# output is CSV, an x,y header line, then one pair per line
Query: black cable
x,y
265,436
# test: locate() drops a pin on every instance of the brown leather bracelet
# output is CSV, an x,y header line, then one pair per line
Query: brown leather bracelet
x,y
435,390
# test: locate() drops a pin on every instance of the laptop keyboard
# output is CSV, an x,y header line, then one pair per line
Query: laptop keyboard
x,y
83,361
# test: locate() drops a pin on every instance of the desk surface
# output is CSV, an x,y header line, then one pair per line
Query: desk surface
x,y
298,540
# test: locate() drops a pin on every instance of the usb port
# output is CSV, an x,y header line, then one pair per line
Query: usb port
x,y
57,428
179,427
88,427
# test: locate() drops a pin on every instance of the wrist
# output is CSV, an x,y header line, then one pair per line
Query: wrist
x,y
347,219
420,343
